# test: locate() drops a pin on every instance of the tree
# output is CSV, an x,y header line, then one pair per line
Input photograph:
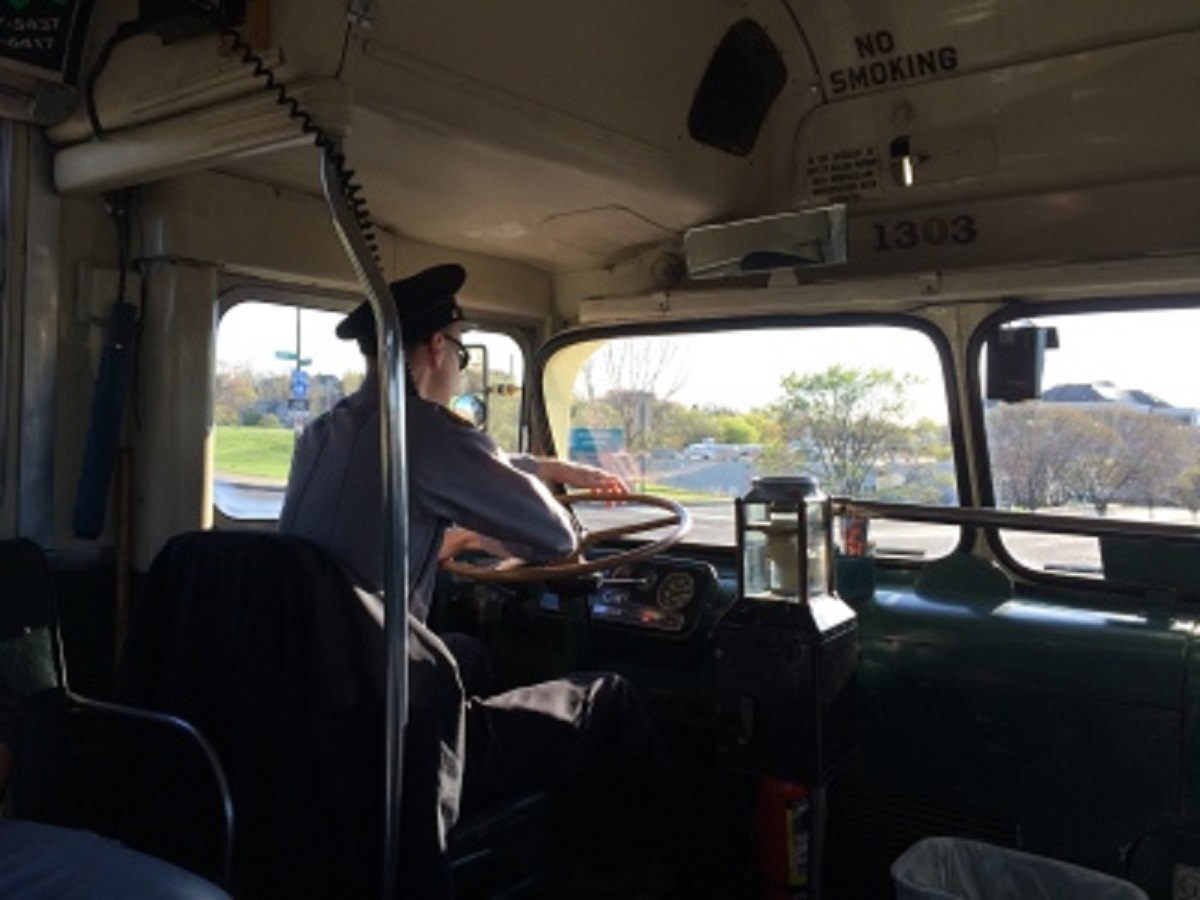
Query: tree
x,y
1046,454
635,415
1118,454
594,414
736,429
1162,447
848,422
928,440
638,373
1187,488
1031,448
274,387
236,391
766,423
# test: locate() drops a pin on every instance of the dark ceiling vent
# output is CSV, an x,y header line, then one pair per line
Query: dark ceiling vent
x,y
743,78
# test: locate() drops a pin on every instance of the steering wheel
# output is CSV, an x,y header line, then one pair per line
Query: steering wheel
x,y
678,519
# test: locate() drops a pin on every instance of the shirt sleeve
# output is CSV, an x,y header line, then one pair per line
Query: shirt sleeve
x,y
524,462
305,454
461,476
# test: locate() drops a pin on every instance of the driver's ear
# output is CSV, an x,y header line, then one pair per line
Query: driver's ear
x,y
435,349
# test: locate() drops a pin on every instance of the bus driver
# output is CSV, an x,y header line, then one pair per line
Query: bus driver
x,y
529,737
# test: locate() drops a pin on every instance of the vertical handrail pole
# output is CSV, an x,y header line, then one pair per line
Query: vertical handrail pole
x,y
395,506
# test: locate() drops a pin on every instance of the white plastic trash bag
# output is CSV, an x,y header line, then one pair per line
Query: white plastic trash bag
x,y
944,868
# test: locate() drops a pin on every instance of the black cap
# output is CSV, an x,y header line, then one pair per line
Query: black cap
x,y
425,301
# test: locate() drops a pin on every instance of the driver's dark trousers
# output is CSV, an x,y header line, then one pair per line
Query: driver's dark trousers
x,y
587,737
583,727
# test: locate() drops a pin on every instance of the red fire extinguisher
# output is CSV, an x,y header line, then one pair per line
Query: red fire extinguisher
x,y
784,814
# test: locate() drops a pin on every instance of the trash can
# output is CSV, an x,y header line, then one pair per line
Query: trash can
x,y
944,868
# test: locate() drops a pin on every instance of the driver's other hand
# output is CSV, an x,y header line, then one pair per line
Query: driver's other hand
x,y
457,541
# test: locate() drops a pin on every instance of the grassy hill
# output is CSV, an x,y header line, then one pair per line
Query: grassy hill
x,y
254,452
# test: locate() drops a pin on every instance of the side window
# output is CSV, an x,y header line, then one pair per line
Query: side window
x,y
1093,414
697,417
495,381
279,366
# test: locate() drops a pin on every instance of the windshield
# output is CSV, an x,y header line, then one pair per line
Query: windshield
x,y
698,416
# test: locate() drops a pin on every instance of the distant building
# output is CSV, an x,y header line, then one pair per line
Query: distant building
x,y
1105,393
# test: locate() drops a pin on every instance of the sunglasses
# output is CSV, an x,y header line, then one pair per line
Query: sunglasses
x,y
464,355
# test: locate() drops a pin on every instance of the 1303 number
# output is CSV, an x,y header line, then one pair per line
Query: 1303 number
x,y
909,234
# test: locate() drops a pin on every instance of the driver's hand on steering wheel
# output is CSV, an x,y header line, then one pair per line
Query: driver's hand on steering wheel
x,y
578,475
457,541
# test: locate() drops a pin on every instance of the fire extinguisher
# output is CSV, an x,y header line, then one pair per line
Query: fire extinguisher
x,y
784,813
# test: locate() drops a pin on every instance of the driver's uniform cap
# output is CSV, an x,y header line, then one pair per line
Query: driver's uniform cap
x,y
426,303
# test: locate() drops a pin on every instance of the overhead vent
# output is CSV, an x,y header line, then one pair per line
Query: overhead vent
x,y
743,78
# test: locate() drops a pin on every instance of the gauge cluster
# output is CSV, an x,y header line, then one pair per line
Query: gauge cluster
x,y
659,594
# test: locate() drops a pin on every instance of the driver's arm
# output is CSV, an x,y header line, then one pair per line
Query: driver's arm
x,y
476,487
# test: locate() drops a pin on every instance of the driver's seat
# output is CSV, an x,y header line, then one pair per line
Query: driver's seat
x,y
264,644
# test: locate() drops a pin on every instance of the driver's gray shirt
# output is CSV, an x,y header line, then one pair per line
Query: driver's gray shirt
x,y
456,475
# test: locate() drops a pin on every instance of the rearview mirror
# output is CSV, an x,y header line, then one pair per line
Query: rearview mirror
x,y
814,237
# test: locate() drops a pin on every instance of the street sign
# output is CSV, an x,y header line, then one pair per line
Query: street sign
x,y
291,357
299,383
597,440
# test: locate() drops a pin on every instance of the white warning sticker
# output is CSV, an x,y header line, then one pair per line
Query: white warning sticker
x,y
845,174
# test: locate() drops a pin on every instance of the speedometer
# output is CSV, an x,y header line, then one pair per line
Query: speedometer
x,y
676,591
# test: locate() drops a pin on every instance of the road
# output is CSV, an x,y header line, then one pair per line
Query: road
x,y
246,498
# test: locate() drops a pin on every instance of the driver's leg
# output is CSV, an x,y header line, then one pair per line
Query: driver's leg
x,y
549,733
589,738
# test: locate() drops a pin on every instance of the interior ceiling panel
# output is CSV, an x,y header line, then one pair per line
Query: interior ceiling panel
x,y
471,138
560,136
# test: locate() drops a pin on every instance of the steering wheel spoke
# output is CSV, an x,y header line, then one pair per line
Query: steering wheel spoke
x,y
619,531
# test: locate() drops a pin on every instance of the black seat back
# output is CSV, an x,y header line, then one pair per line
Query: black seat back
x,y
31,665
30,655
147,780
262,641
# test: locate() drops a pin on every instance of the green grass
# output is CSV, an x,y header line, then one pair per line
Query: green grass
x,y
679,495
254,452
